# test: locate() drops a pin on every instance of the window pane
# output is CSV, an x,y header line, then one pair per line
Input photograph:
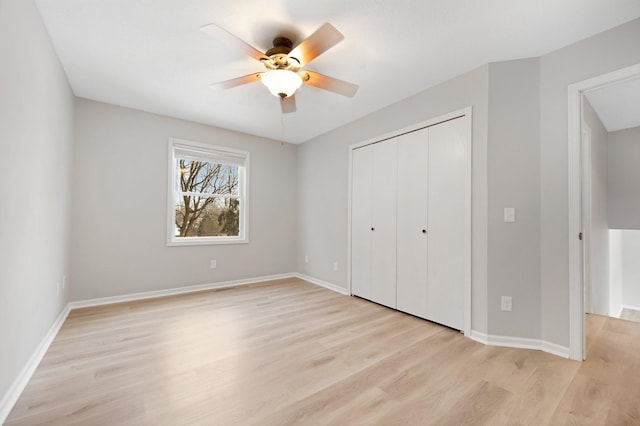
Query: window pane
x,y
207,217
202,176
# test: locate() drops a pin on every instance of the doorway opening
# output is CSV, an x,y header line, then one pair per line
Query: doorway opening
x,y
589,237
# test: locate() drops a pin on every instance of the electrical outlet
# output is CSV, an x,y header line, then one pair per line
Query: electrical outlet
x,y
306,259
213,264
506,303
335,266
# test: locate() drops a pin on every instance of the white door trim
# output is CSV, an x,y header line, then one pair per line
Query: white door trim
x,y
576,284
466,114
586,217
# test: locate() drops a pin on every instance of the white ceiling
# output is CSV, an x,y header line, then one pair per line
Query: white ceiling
x,y
617,105
150,54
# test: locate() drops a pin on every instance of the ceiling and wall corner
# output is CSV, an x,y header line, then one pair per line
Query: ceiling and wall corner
x,y
617,105
152,56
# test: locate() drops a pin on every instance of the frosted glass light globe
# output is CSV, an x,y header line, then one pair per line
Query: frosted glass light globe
x,y
281,83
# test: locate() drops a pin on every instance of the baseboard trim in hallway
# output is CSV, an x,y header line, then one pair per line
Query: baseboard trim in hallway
x,y
521,343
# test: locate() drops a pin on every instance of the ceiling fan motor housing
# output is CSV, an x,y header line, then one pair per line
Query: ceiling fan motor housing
x,y
283,74
279,58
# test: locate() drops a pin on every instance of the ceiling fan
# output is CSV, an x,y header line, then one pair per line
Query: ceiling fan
x,y
284,64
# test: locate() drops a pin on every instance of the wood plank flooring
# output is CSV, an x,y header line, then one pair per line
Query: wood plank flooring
x,y
289,352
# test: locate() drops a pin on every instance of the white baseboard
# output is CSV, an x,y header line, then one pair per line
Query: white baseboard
x,y
634,308
479,337
555,349
617,311
520,342
321,283
201,287
174,291
21,381
18,385
10,398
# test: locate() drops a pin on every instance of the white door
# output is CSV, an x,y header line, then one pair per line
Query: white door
x,y
361,235
446,223
413,159
383,223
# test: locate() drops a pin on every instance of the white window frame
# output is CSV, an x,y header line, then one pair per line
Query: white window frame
x,y
207,150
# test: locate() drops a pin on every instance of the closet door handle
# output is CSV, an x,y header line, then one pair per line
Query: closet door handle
x,y
424,231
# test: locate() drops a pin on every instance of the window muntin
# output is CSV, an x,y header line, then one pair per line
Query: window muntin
x,y
208,203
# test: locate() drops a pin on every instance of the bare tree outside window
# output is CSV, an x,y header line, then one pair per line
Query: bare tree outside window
x,y
208,194
207,199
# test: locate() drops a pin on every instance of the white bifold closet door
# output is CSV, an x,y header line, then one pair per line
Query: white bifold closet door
x,y
431,223
361,235
413,176
409,225
446,221
373,258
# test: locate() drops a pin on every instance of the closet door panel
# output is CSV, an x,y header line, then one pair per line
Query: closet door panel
x,y
361,235
413,157
383,276
446,219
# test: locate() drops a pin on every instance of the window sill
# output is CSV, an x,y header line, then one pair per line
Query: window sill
x,y
203,241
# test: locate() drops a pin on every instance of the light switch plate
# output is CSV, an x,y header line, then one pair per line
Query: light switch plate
x,y
509,214
506,303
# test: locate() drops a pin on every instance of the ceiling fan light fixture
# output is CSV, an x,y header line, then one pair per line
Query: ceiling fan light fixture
x,y
281,83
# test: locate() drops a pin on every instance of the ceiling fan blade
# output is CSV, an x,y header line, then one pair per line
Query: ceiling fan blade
x,y
220,33
228,84
288,104
335,85
324,38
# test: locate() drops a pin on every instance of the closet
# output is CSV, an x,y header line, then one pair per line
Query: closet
x,y
410,221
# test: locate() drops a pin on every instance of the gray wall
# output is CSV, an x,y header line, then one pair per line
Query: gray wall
x,y
513,166
598,226
323,176
120,211
298,194
603,53
323,181
624,179
36,118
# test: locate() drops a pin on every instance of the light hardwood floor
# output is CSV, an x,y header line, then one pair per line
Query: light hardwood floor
x,y
288,352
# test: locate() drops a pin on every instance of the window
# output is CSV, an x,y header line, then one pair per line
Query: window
x,y
207,194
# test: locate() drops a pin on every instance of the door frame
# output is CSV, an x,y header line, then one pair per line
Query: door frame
x,y
467,115
587,223
577,262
